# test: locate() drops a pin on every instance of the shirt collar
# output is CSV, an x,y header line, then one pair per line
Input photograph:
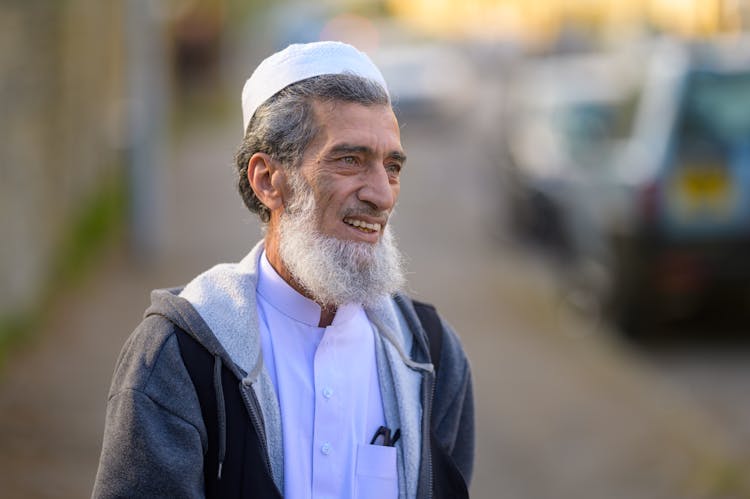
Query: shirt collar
x,y
284,298
288,301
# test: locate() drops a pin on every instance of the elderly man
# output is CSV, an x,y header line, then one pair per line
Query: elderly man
x,y
300,371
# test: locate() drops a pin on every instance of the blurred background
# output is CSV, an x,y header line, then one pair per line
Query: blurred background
x,y
576,203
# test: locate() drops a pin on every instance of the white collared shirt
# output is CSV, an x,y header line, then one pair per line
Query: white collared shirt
x,y
329,394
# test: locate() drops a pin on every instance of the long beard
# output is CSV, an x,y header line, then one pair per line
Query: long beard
x,y
334,271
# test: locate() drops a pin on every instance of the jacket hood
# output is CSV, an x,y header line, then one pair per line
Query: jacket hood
x,y
179,311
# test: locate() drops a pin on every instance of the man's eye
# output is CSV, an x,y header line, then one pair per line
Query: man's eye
x,y
393,169
349,160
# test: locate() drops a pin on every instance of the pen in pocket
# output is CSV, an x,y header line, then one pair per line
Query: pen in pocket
x,y
388,440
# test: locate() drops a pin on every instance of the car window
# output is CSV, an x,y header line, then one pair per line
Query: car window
x,y
591,129
716,109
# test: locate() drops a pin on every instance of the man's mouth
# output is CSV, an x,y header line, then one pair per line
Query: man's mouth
x,y
362,225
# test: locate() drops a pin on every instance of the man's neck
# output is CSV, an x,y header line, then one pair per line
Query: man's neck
x,y
326,316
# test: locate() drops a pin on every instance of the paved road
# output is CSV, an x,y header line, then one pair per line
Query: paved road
x,y
564,410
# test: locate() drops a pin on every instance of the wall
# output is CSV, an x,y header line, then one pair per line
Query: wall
x,y
61,132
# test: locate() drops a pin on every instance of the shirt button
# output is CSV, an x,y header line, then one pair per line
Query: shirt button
x,y
325,448
327,392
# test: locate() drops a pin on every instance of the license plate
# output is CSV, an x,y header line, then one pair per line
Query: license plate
x,y
704,192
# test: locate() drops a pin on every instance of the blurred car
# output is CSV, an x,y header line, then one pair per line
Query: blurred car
x,y
650,189
565,116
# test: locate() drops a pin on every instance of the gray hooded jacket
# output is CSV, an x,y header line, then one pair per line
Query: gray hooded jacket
x,y
155,438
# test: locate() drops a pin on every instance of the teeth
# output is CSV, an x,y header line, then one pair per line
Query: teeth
x,y
360,224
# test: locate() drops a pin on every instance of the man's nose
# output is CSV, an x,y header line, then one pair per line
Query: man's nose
x,y
378,192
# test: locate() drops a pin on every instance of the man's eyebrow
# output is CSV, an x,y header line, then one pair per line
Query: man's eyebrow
x,y
398,156
349,148
355,149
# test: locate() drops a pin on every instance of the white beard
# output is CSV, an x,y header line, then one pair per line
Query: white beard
x,y
331,270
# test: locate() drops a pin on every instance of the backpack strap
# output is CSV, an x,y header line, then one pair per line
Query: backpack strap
x,y
447,480
244,473
199,366
430,321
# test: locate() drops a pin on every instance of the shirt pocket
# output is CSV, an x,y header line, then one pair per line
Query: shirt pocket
x,y
376,476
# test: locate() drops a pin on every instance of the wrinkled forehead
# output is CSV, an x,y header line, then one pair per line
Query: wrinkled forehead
x,y
352,128
330,108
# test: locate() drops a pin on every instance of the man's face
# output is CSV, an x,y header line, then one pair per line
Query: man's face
x,y
353,167
332,242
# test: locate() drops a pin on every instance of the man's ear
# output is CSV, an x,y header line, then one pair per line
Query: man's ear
x,y
267,179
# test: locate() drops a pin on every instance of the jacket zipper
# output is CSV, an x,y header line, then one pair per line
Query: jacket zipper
x,y
428,434
253,406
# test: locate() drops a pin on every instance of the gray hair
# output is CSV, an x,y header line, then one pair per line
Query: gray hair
x,y
285,124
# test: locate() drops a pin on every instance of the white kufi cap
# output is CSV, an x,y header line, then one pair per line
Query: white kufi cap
x,y
301,61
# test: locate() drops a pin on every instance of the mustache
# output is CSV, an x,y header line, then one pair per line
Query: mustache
x,y
367,211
